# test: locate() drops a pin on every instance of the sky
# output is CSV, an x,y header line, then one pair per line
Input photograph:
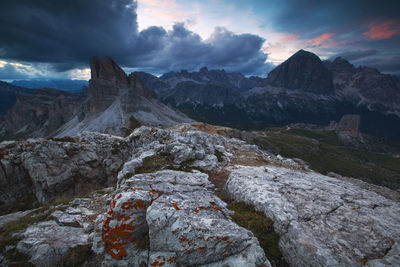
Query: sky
x,y
55,39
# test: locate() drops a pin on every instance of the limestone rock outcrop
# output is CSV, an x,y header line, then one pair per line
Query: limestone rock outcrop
x,y
172,218
323,221
52,169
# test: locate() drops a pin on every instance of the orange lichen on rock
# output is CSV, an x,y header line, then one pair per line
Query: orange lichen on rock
x,y
157,263
116,238
118,227
215,208
171,259
175,206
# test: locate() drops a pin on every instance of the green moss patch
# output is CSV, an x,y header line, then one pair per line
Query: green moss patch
x,y
7,231
78,256
185,166
17,258
128,175
38,215
262,228
163,161
25,203
219,155
154,163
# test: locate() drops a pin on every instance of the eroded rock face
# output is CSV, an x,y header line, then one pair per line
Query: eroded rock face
x,y
107,82
50,170
106,69
172,218
323,221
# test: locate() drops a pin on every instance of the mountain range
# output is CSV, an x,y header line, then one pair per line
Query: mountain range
x,y
302,89
72,86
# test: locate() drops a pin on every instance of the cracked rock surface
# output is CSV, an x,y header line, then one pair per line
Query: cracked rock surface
x,y
47,170
183,221
323,221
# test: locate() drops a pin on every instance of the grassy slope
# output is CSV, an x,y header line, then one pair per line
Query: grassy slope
x,y
324,153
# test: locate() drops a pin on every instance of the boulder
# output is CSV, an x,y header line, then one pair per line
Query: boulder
x,y
349,125
172,218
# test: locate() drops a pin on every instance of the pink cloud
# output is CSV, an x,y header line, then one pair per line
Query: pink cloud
x,y
289,38
383,30
324,40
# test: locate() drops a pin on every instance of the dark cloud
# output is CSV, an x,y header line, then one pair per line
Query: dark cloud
x,y
181,48
356,55
66,33
386,64
313,17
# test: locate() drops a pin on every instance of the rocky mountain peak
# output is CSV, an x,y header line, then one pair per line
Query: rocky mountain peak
x,y
204,70
342,65
108,79
304,71
106,69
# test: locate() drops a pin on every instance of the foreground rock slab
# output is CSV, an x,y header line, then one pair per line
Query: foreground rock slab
x,y
172,218
323,221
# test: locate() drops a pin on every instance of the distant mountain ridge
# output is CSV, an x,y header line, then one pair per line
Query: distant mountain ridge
x,y
8,95
68,85
301,89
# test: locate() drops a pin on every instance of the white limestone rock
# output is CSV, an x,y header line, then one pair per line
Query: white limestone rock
x,y
47,242
172,218
323,221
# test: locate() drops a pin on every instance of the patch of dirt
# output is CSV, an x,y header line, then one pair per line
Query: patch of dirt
x,y
248,158
211,129
218,178
96,204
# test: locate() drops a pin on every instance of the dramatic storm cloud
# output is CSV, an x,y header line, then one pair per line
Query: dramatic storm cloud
x,y
159,36
66,33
